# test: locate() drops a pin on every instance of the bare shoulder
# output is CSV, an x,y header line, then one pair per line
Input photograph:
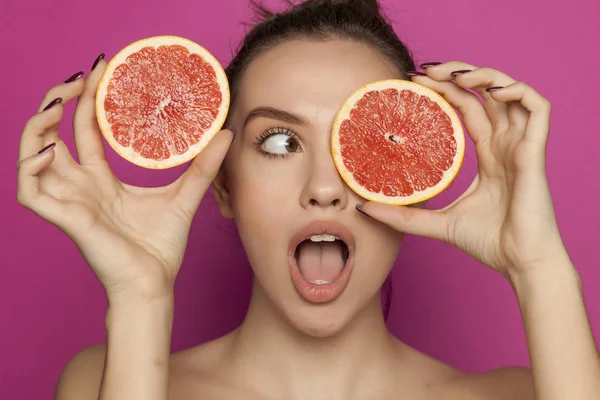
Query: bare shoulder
x,y
81,377
190,372
513,383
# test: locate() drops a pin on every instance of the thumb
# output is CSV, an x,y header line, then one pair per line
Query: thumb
x,y
203,170
407,219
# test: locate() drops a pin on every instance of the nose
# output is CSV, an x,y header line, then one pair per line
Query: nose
x,y
324,186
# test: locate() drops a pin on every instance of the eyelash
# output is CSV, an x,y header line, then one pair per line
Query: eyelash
x,y
272,132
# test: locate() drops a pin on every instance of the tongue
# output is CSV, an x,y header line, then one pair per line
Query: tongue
x,y
320,261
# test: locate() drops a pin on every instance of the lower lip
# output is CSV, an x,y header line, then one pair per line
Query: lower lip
x,y
314,293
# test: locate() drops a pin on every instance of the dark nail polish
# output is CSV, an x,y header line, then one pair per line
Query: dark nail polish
x,y
491,89
54,102
74,77
232,129
45,149
415,73
460,71
100,57
429,64
359,208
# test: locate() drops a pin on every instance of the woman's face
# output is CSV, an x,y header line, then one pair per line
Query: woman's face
x,y
282,187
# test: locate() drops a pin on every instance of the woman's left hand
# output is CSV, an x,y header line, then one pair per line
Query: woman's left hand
x,y
505,219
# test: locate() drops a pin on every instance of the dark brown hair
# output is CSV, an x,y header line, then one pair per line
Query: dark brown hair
x,y
360,20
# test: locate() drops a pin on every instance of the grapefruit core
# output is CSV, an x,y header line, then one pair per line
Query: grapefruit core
x,y
161,100
397,142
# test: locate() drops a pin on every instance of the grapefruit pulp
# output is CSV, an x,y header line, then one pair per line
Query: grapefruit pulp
x,y
161,100
397,142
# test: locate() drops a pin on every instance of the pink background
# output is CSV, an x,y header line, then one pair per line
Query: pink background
x,y
445,304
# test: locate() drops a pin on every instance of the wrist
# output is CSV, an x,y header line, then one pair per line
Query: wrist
x,y
138,332
550,273
128,311
140,293
551,254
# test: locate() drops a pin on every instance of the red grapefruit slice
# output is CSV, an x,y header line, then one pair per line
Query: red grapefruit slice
x,y
397,142
161,100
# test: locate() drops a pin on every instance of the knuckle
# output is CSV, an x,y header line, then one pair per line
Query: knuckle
x,y
408,217
31,124
22,199
52,94
486,70
21,168
546,104
542,102
493,76
521,85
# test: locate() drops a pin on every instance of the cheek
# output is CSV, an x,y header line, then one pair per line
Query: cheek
x,y
265,209
256,196
262,189
264,197
377,253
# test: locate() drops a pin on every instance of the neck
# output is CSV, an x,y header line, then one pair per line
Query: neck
x,y
280,361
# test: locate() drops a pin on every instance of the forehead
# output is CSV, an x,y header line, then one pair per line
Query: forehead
x,y
310,77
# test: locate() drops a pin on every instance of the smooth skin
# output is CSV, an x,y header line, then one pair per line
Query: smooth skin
x,y
286,348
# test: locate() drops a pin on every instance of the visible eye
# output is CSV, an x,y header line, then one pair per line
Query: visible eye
x,y
278,142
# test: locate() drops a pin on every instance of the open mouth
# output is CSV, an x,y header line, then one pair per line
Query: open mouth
x,y
321,257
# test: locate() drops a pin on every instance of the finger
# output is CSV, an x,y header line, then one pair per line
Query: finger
x,y
411,220
195,181
481,80
477,79
40,131
45,123
538,107
29,194
518,117
35,128
67,91
88,138
474,115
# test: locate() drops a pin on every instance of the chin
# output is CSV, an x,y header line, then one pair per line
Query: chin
x,y
319,321
328,319
320,286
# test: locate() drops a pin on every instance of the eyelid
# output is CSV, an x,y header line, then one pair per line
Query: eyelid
x,y
266,134
280,130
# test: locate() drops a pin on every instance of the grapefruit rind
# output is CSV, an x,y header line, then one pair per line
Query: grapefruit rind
x,y
175,160
417,196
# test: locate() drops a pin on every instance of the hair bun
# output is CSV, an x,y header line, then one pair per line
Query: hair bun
x,y
368,7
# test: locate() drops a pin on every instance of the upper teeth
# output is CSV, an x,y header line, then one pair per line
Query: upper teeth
x,y
323,238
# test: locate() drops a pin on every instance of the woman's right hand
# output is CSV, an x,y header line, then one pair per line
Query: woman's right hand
x,y
133,238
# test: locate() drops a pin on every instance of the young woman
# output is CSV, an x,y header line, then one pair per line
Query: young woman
x,y
311,337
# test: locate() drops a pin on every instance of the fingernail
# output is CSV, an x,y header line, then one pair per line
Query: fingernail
x,y
429,64
359,206
491,89
47,148
415,73
74,77
460,71
54,102
100,57
232,129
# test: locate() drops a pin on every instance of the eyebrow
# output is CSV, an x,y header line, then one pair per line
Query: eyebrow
x,y
274,113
